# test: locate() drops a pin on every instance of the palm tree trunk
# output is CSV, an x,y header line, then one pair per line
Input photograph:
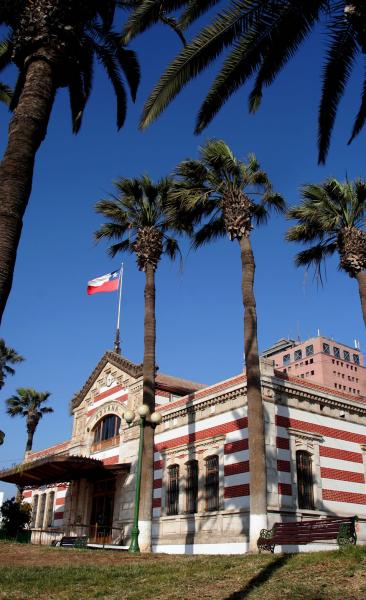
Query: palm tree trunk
x,y
361,279
27,130
30,431
148,396
256,435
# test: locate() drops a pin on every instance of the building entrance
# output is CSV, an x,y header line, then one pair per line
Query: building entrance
x,y
102,511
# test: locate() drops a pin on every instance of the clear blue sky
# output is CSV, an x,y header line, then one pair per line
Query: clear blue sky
x,y
63,333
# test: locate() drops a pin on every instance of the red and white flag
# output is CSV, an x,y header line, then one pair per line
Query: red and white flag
x,y
105,283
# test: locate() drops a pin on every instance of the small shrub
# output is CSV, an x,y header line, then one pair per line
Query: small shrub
x,y
15,517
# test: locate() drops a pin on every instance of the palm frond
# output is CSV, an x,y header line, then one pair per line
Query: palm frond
x,y
110,230
315,257
194,11
274,201
361,115
212,230
5,94
126,59
146,14
239,66
198,54
124,246
77,99
6,49
340,58
110,64
290,27
303,232
171,248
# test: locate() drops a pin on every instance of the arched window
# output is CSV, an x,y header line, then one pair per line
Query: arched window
x,y
212,483
304,470
34,510
172,504
106,428
191,486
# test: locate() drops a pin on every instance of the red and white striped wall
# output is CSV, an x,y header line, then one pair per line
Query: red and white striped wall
x,y
342,468
233,425
59,501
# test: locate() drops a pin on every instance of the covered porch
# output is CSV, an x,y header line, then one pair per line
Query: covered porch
x,y
87,491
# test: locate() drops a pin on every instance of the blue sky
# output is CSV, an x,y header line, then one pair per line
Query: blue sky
x,y
63,333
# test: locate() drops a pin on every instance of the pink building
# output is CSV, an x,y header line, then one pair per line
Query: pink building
x,y
321,360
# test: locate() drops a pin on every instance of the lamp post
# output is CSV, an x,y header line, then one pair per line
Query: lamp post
x,y
155,419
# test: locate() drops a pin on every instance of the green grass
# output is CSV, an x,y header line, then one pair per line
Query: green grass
x,y
54,573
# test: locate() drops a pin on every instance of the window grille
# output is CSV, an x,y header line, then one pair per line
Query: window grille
x,y
326,348
305,492
297,354
212,483
309,350
192,487
336,352
346,355
356,359
173,490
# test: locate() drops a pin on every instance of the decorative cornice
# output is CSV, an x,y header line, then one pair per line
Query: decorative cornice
x,y
272,388
305,435
201,405
331,402
193,447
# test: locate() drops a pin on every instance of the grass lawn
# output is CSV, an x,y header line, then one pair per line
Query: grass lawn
x,y
43,572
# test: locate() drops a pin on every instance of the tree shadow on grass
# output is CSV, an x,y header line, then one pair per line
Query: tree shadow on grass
x,y
261,578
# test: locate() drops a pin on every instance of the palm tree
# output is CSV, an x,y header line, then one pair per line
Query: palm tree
x,y
138,218
28,403
8,356
261,36
54,44
331,218
221,188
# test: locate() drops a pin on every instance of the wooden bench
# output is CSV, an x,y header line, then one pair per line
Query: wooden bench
x,y
304,532
73,541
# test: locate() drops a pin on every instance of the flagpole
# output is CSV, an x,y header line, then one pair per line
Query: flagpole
x,y
117,346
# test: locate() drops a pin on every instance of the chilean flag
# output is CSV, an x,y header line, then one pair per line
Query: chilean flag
x,y
106,283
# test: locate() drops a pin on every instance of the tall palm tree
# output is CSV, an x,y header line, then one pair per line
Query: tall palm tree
x,y
140,222
28,403
8,356
259,38
331,218
54,44
221,189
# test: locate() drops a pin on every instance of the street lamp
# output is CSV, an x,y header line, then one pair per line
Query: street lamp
x,y
143,412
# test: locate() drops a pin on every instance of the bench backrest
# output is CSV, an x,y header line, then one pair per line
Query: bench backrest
x,y
73,540
310,530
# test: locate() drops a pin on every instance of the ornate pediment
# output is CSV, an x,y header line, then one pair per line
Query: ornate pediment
x,y
103,376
